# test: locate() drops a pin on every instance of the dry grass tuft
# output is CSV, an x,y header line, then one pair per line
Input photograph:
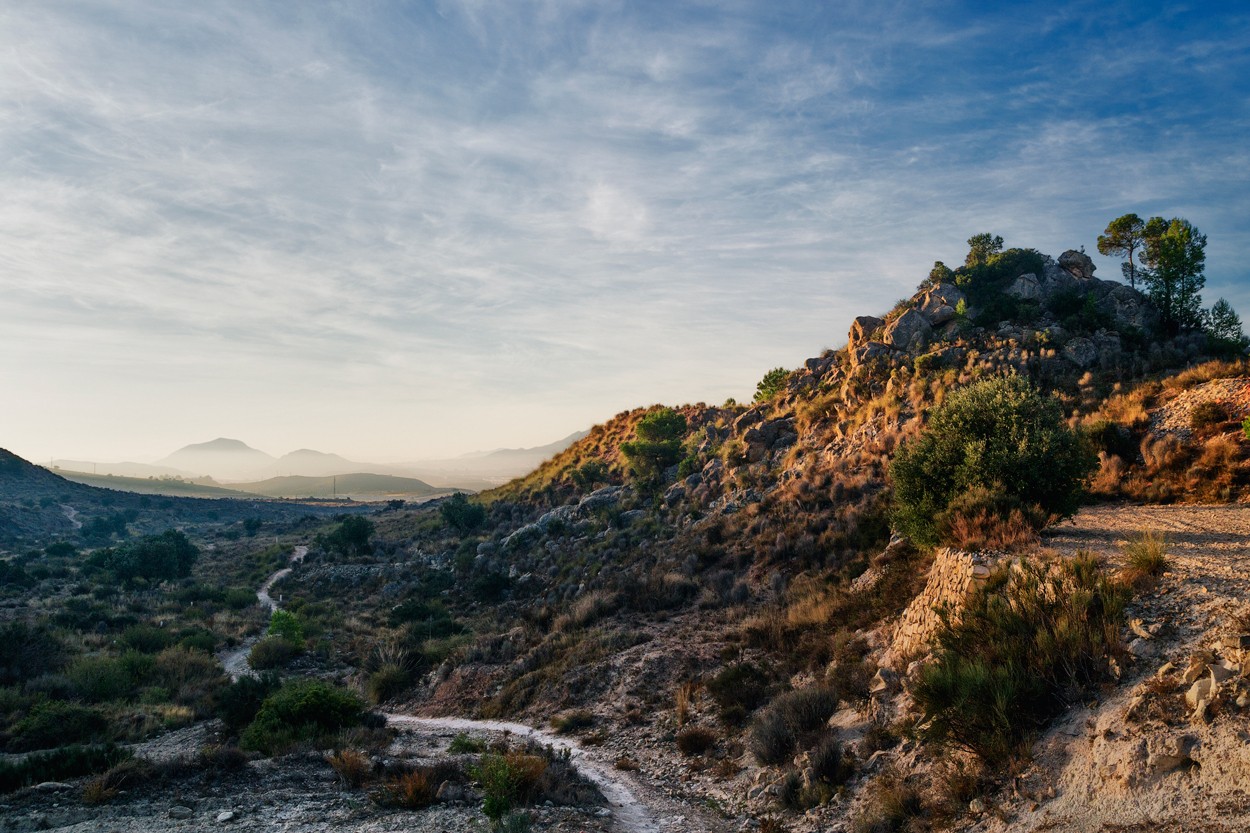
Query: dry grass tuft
x,y
352,767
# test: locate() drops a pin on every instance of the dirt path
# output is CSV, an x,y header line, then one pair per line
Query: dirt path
x,y
630,814
235,660
72,514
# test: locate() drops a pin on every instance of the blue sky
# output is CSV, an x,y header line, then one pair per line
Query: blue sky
x,y
401,230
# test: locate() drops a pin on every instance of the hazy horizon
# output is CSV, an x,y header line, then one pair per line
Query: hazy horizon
x,y
405,231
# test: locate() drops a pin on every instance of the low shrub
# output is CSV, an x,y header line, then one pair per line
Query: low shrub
x,y
352,767
301,711
1207,415
830,763
410,790
574,721
695,740
58,765
287,625
388,681
507,779
1146,557
462,744
1025,639
56,723
146,639
270,653
238,703
771,739
122,775
890,806
739,690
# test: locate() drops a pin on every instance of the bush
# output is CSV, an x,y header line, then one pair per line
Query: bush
x,y
695,740
303,710
152,557
771,739
352,767
570,722
1025,639
507,780
1146,557
890,806
999,435
411,790
658,443
462,515
738,690
1207,415
146,639
54,723
830,763
58,765
237,704
287,625
105,679
388,681
270,653
27,652
462,744
351,536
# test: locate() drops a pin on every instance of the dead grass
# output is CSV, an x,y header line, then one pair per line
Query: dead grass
x,y
352,767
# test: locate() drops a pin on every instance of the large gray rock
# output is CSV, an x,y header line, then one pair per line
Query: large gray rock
x,y
1081,352
1077,264
868,351
862,330
910,331
938,305
1026,287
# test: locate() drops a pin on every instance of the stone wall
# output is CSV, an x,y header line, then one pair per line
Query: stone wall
x,y
953,576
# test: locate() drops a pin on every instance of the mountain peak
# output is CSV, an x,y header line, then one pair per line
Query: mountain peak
x,y
219,444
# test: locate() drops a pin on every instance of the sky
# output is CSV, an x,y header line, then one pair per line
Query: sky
x,y
401,230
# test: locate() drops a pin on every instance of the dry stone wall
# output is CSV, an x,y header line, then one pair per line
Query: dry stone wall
x,y
952,578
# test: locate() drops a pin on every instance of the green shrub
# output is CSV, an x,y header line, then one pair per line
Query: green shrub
x,y
191,676
830,763
771,739
351,536
237,704
462,515
388,681
271,653
58,765
1000,435
658,444
462,744
106,679
773,383
1025,640
507,779
152,557
1147,555
287,625
303,710
146,639
57,723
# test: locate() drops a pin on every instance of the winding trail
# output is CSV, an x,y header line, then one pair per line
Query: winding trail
x,y
235,660
72,514
629,813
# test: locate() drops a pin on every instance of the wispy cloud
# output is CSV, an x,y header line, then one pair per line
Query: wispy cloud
x,y
393,229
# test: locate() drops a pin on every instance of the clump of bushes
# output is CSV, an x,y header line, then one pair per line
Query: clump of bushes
x,y
1025,640
389,681
1207,415
58,765
508,779
778,730
52,723
695,740
271,653
658,443
462,515
738,690
304,710
998,435
237,704
1145,558
574,721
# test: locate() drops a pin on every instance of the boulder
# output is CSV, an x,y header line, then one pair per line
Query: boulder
x,y
1081,352
910,331
1077,264
939,303
869,351
1026,287
862,330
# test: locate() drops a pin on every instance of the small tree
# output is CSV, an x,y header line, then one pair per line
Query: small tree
x,y
1224,326
1175,255
351,536
1124,236
773,383
462,515
1000,437
981,247
658,445
589,474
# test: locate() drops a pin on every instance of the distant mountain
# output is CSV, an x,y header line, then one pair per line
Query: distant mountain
x,y
492,467
357,485
153,485
222,458
310,463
